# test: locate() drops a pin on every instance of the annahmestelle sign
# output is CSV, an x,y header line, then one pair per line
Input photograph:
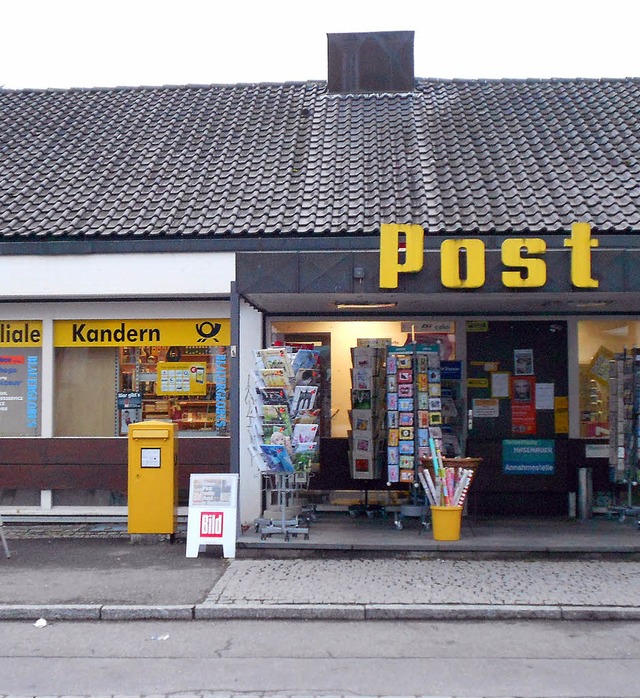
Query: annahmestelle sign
x,y
528,457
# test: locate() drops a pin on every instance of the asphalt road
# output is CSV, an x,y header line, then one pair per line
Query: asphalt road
x,y
296,658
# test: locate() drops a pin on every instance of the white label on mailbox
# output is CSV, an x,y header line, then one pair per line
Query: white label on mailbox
x,y
149,457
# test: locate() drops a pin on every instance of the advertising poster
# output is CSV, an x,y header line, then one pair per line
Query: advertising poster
x,y
599,366
129,409
545,396
561,414
486,408
523,362
20,390
182,378
500,384
212,517
523,405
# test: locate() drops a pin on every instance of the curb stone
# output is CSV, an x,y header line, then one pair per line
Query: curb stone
x,y
337,612
51,612
280,611
600,613
461,612
147,612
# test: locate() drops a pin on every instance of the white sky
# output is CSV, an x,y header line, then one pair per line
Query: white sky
x,y
96,43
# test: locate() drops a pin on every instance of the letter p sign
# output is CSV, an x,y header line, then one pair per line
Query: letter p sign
x,y
401,250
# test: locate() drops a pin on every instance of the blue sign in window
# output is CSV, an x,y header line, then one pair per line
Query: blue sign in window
x,y
529,457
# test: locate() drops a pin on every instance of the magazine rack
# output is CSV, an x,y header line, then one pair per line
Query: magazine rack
x,y
5,545
624,419
282,487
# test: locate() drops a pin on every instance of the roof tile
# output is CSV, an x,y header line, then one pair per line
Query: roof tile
x,y
289,159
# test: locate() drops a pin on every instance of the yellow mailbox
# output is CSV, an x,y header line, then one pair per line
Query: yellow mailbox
x,y
153,478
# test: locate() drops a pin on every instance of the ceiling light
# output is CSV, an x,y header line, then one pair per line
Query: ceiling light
x,y
622,331
363,306
588,304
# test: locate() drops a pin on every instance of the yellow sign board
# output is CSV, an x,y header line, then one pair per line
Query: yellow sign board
x,y
477,326
20,333
137,333
477,382
561,414
181,378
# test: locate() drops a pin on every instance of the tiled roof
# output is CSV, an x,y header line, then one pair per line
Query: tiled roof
x,y
289,159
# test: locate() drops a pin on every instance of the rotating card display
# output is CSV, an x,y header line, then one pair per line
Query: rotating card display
x,y
283,410
414,408
367,434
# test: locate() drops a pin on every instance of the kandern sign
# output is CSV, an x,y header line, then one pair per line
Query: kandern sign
x,y
462,261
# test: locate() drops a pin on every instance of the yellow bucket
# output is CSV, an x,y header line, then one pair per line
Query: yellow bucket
x,y
446,522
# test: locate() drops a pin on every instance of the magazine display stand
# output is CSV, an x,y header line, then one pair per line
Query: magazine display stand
x,y
367,434
283,487
624,422
284,422
452,405
414,416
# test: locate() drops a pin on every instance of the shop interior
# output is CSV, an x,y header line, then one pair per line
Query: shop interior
x,y
335,482
187,385
338,482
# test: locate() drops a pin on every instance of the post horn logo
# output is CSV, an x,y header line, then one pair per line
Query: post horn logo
x,y
208,330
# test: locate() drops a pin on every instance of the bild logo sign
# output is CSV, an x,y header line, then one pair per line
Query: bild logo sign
x,y
211,524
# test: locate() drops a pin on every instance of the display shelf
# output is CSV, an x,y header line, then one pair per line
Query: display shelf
x,y
624,422
414,420
367,434
284,423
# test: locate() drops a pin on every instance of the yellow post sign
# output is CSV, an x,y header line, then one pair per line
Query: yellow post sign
x,y
401,250
138,333
20,333
462,261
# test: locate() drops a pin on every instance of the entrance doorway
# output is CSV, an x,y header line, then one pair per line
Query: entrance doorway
x,y
517,397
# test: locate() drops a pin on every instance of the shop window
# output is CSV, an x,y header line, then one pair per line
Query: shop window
x,y
598,342
100,391
185,385
84,391
20,391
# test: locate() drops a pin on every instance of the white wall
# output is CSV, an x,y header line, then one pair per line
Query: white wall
x,y
128,275
250,496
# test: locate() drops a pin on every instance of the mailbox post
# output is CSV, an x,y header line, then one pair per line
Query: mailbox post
x,y
153,475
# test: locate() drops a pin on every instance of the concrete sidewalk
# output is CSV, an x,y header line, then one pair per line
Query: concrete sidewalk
x,y
96,573
420,589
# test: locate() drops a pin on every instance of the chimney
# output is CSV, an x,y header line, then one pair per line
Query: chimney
x,y
371,62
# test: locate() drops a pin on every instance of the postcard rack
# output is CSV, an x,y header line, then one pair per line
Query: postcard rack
x,y
414,414
281,489
624,420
